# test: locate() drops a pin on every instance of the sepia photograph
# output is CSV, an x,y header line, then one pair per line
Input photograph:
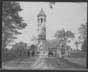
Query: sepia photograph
x,y
44,35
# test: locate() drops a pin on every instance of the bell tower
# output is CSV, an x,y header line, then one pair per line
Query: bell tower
x,y
41,25
41,18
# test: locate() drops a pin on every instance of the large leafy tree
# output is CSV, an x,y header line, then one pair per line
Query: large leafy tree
x,y
63,37
11,21
19,48
77,44
62,34
83,35
83,31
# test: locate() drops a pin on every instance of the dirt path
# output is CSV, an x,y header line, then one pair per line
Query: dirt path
x,y
40,63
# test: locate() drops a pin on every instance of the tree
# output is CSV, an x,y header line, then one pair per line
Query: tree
x,y
34,40
77,44
11,21
19,49
69,34
63,37
84,45
62,34
83,35
83,30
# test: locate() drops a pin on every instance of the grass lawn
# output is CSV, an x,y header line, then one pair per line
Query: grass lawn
x,y
80,61
19,63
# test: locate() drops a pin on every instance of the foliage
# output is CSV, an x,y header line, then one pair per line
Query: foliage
x,y
33,46
69,34
20,45
63,34
18,50
7,55
77,43
83,32
63,37
11,21
60,34
84,45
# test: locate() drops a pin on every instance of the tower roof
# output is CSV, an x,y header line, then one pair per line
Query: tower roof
x,y
41,13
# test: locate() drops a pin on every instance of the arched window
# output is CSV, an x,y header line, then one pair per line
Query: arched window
x,y
41,20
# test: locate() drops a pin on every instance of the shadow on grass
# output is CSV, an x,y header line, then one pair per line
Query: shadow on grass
x,y
71,63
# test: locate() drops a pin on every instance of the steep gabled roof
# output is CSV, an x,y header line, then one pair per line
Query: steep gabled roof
x,y
41,13
52,43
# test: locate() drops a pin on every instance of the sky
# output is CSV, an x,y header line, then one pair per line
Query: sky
x,y
64,15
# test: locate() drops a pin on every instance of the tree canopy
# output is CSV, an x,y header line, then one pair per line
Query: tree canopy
x,y
11,21
83,32
64,34
63,37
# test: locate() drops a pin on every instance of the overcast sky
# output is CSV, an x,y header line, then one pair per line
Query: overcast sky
x,y
64,14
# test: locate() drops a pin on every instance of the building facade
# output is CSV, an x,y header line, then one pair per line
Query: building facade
x,y
44,47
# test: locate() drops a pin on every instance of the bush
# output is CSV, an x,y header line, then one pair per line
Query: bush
x,y
18,51
12,54
7,55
